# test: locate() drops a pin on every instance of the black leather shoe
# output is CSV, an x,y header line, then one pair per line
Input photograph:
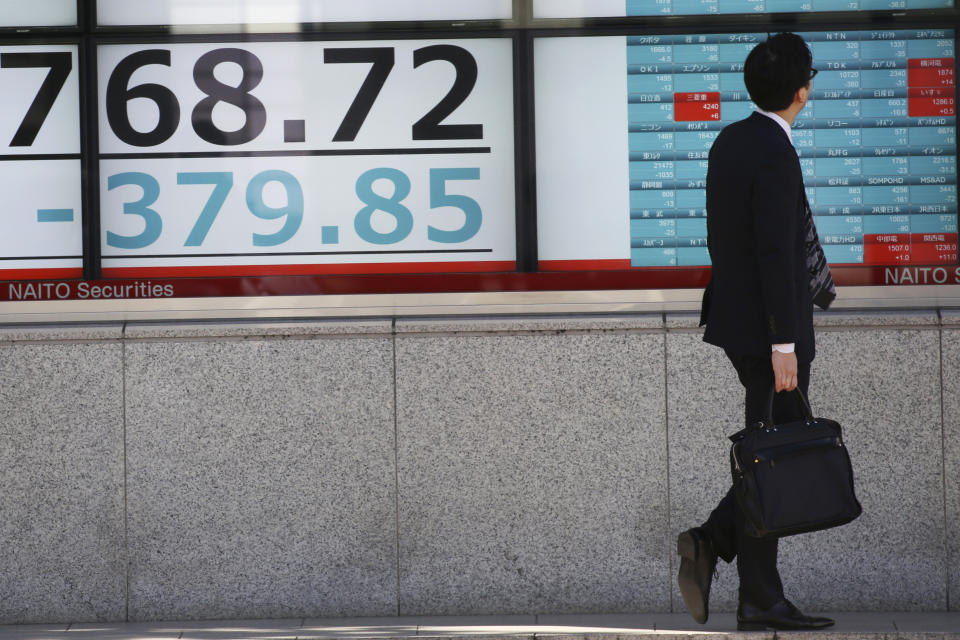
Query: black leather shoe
x,y
697,563
781,616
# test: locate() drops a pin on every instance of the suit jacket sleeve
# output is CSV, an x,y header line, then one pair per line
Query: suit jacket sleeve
x,y
776,221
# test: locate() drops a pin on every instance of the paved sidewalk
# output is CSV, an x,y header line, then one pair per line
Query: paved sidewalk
x,y
850,626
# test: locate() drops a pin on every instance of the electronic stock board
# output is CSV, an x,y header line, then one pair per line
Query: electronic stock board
x,y
369,154
626,8
306,157
877,145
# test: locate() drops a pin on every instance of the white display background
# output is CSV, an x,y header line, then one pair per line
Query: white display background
x,y
298,85
330,199
38,13
31,185
583,181
200,12
579,8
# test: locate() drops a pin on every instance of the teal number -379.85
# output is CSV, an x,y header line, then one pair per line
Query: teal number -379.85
x,y
292,212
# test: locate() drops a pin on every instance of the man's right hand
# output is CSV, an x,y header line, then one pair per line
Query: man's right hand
x,y
784,371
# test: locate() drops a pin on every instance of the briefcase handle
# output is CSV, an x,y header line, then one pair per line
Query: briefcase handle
x,y
804,405
766,423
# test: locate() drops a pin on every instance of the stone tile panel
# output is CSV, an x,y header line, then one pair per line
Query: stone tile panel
x,y
261,478
532,474
951,475
61,483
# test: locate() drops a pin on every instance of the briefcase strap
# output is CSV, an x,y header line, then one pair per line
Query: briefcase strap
x,y
807,413
767,423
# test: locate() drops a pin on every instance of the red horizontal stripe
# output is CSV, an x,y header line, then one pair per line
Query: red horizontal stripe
x,y
584,265
40,274
635,279
308,269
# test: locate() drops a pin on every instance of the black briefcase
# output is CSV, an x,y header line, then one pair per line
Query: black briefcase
x,y
793,478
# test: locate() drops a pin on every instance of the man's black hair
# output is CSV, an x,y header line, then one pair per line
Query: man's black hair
x,y
776,69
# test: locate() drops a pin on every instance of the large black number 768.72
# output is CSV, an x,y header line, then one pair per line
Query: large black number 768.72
x,y
429,127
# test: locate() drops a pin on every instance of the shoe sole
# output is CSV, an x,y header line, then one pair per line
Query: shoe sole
x,y
687,549
760,626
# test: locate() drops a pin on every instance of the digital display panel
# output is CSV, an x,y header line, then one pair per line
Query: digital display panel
x,y
40,167
628,8
877,146
877,142
42,13
255,12
707,7
307,157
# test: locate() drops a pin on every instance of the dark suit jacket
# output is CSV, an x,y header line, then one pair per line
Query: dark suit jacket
x,y
759,292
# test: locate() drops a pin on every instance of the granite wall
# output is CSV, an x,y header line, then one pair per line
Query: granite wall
x,y
443,466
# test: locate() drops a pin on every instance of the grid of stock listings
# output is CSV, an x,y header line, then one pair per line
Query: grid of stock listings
x,y
876,142
706,7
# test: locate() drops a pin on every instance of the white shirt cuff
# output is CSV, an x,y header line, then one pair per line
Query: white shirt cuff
x,y
782,348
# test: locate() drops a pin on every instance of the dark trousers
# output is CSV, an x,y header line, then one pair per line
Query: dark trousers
x,y
756,557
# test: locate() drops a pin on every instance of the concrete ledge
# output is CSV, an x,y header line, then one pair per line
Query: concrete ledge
x,y
523,324
60,333
830,319
146,330
950,317
683,321
905,318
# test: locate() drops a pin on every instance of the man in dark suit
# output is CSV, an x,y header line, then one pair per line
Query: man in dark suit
x,y
758,308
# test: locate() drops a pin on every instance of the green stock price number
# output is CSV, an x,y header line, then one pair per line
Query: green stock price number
x,y
401,218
